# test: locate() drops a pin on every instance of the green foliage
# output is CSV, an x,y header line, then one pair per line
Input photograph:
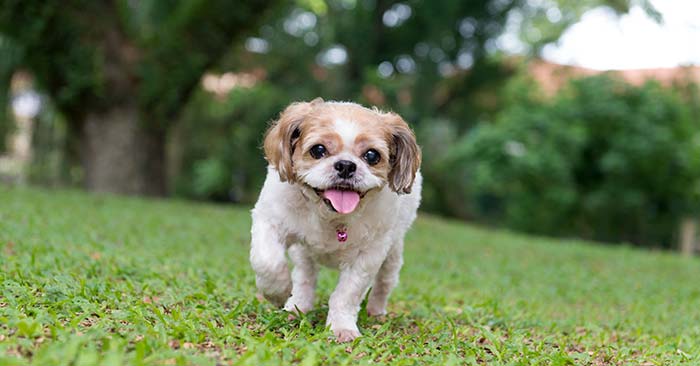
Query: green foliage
x,y
428,41
50,164
90,280
89,55
225,134
5,129
603,160
433,93
93,58
221,140
46,37
9,55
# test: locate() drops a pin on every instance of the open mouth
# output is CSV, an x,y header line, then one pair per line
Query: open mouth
x,y
343,199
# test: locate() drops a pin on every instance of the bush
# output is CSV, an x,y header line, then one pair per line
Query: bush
x,y
601,160
219,144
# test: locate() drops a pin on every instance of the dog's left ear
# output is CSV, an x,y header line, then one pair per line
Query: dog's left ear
x,y
405,155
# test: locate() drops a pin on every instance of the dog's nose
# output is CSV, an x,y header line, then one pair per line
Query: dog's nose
x,y
345,168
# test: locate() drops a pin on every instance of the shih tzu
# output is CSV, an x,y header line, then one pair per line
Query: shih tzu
x,y
342,189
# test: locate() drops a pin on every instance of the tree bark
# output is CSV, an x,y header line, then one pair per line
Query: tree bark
x,y
121,154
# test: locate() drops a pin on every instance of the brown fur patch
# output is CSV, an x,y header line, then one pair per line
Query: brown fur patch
x,y
406,154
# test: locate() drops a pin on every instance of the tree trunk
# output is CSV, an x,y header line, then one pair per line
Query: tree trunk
x,y
688,236
121,155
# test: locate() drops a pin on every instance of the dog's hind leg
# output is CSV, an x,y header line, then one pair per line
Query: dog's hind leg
x,y
267,257
303,281
387,278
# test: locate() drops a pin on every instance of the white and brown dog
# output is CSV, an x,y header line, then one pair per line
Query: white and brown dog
x,y
342,189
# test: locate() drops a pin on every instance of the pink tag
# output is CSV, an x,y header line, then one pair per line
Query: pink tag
x,y
342,235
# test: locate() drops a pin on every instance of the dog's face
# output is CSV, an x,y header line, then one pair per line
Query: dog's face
x,y
342,151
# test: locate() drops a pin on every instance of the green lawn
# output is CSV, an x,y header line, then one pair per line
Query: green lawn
x,y
92,280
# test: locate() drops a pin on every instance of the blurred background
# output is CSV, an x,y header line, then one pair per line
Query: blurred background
x,y
559,117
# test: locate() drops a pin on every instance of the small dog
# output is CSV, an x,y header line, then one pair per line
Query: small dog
x,y
342,188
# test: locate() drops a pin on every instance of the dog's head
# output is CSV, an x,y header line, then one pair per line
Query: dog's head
x,y
342,151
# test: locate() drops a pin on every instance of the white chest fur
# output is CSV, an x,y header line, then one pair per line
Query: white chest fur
x,y
303,219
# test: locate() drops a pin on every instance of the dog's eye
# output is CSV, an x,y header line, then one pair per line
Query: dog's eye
x,y
372,156
318,151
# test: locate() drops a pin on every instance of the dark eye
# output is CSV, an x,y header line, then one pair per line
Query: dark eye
x,y
318,151
371,156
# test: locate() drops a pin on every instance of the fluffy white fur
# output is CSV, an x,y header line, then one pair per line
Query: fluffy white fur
x,y
291,219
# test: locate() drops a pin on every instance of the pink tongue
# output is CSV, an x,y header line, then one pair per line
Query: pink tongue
x,y
342,201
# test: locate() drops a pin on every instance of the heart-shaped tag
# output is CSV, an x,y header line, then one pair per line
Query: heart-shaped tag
x,y
342,235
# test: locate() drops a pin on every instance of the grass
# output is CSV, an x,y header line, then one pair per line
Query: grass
x,y
89,280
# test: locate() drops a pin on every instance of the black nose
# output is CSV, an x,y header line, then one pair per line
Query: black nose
x,y
345,168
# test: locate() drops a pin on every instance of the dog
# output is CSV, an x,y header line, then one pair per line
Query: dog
x,y
343,186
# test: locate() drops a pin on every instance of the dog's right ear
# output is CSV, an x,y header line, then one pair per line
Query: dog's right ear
x,y
282,137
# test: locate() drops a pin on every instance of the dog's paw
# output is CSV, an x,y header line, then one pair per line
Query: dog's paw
x,y
278,299
376,310
275,288
298,304
345,335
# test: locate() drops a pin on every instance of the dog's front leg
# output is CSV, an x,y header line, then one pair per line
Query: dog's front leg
x,y
345,301
303,281
267,257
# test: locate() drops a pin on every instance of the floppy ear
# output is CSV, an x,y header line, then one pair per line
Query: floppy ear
x,y
405,155
282,137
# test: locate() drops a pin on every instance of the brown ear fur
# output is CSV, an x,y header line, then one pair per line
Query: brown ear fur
x,y
282,136
405,156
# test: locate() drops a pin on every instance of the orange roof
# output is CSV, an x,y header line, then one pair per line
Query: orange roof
x,y
553,77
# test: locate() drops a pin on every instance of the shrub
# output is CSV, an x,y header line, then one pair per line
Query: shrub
x,y
602,160
219,144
